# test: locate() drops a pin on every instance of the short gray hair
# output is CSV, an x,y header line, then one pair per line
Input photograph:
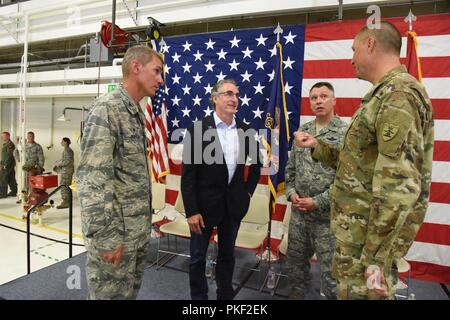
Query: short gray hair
x,y
217,86
387,35
143,54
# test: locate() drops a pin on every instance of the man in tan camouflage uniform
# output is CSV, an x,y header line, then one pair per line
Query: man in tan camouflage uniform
x,y
65,168
380,194
308,188
114,184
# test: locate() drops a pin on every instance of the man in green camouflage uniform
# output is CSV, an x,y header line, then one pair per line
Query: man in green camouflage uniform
x,y
114,185
65,168
308,188
380,194
7,168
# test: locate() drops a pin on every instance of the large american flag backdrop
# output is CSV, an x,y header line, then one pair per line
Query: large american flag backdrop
x,y
311,53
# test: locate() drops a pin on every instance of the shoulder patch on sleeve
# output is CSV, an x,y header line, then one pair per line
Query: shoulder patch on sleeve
x,y
390,130
393,129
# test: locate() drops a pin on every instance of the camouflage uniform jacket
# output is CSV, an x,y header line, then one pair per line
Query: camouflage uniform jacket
x,y
66,163
310,178
8,161
380,194
114,185
34,155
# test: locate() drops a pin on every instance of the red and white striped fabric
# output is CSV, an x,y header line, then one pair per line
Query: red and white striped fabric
x,y
328,58
156,132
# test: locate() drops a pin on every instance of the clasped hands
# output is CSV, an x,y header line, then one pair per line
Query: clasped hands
x,y
303,204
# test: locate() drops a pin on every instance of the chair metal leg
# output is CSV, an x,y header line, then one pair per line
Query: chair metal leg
x,y
408,283
158,255
261,251
157,252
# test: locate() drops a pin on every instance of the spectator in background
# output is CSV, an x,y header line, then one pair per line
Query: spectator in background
x,y
34,161
65,167
34,156
7,168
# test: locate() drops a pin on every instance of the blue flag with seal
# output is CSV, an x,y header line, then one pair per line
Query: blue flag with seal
x,y
278,134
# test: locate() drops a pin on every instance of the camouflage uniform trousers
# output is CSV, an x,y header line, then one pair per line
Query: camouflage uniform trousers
x,y
305,239
105,282
8,178
349,273
65,178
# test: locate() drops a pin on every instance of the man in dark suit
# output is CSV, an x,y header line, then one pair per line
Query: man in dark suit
x,y
215,191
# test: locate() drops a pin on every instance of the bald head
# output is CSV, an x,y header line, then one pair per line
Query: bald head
x,y
387,36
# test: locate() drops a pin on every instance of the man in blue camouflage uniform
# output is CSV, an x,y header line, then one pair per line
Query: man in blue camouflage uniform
x,y
308,188
380,194
34,156
114,185
34,161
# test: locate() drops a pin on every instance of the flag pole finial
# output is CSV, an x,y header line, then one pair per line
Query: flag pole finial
x,y
278,31
410,18
162,44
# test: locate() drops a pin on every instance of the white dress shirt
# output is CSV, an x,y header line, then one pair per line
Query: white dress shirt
x,y
229,141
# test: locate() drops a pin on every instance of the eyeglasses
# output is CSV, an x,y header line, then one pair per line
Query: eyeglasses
x,y
229,94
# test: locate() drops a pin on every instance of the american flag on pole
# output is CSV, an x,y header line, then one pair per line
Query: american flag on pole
x,y
156,132
196,63
312,53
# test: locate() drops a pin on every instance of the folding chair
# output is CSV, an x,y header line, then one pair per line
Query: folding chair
x,y
158,201
178,228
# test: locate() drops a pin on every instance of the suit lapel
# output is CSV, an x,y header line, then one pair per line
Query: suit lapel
x,y
211,124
